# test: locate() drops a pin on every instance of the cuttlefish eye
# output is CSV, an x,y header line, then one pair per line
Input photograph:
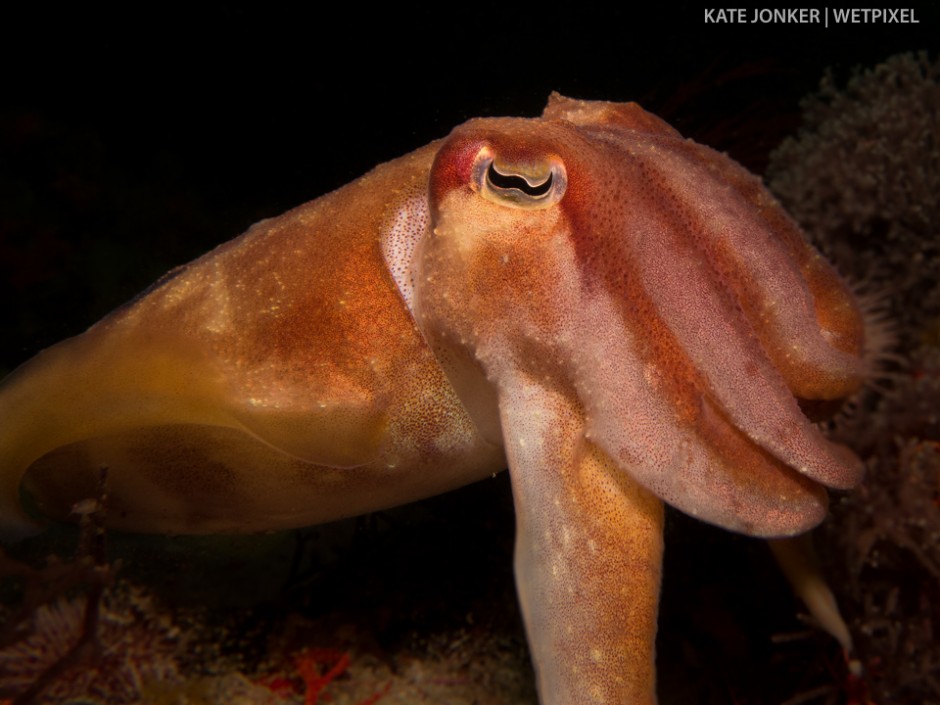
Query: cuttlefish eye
x,y
519,183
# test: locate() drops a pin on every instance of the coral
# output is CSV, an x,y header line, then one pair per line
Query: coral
x,y
56,628
135,650
885,538
76,635
863,178
134,645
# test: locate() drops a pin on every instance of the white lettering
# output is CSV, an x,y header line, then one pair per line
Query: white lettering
x,y
725,16
873,15
811,15
792,16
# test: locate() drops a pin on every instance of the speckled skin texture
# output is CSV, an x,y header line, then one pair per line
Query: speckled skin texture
x,y
623,315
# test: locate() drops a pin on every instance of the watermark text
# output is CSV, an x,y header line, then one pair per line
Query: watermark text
x,y
811,15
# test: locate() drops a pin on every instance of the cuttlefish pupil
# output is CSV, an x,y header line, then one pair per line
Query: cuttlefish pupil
x,y
505,182
534,184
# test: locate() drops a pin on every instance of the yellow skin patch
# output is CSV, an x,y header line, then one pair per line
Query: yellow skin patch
x,y
621,315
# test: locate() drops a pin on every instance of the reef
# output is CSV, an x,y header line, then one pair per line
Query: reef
x,y
863,179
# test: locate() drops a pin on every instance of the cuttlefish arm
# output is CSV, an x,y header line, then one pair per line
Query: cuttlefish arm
x,y
648,320
589,542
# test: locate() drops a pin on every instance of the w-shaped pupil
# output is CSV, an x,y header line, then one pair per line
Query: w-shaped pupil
x,y
508,181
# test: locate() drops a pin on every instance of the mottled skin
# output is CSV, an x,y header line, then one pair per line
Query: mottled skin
x,y
621,314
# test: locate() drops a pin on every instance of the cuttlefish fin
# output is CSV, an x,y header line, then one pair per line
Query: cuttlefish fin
x,y
80,389
588,555
155,403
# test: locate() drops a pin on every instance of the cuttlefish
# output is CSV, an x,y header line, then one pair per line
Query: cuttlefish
x,y
622,316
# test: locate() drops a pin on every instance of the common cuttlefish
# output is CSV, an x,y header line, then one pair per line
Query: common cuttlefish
x,y
622,316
